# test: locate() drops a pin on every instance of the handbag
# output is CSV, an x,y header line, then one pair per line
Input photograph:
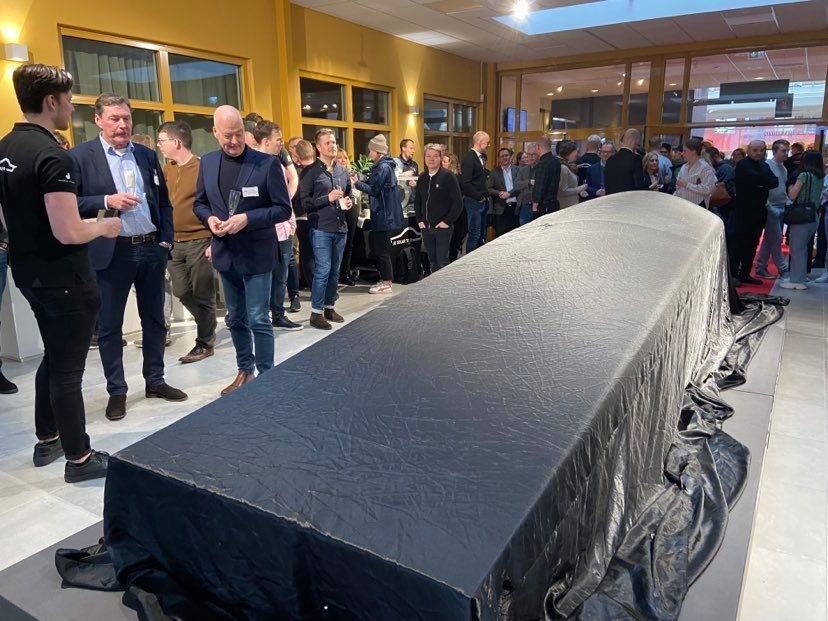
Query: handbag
x,y
801,212
720,195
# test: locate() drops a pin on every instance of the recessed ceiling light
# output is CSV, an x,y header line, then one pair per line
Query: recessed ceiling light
x,y
641,81
594,90
759,78
560,88
672,84
549,94
620,83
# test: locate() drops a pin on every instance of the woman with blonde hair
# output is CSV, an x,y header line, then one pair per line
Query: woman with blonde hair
x,y
652,172
352,219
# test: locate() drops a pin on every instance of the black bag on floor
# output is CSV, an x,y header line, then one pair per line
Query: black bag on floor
x,y
407,266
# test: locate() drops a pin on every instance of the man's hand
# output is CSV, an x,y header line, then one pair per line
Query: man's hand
x,y
208,252
535,207
412,184
681,183
234,224
108,227
422,225
441,225
348,202
215,226
503,195
600,192
122,202
334,195
354,178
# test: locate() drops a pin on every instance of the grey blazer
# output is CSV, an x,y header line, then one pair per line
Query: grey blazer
x,y
496,183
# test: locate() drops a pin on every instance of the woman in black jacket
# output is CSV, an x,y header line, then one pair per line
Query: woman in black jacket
x,y
437,205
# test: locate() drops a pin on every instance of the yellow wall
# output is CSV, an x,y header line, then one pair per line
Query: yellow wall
x,y
278,38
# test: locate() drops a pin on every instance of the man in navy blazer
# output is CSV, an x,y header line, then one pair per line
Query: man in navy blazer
x,y
240,195
595,173
126,178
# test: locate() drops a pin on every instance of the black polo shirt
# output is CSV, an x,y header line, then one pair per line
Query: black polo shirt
x,y
33,164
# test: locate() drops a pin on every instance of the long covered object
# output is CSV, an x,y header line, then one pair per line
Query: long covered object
x,y
477,447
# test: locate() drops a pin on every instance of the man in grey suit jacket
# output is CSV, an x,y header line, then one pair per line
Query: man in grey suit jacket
x,y
505,184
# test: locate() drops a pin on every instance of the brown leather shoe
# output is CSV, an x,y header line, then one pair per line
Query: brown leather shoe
x,y
242,378
318,321
332,315
197,353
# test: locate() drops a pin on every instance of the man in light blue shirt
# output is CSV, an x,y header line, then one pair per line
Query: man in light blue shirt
x,y
777,199
128,180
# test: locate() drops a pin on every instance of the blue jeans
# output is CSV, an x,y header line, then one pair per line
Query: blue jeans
x,y
4,264
476,214
772,242
247,297
525,215
280,278
799,235
327,253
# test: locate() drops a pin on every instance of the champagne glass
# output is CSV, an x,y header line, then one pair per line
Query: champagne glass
x,y
233,203
128,170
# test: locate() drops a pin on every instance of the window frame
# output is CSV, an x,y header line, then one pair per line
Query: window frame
x,y
448,137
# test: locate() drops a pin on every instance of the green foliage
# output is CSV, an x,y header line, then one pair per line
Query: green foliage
x,y
362,165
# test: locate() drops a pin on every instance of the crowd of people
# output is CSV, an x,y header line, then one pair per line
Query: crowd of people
x,y
83,227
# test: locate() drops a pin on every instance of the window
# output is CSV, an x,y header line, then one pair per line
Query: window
x,y
355,112
639,93
449,123
508,121
673,91
196,85
757,86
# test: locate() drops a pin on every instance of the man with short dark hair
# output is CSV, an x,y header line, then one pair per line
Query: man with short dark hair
x,y
303,157
240,195
595,174
505,184
114,173
624,171
50,263
547,179
524,199
325,192
191,274
777,199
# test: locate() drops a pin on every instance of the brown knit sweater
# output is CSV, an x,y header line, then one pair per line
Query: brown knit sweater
x,y
181,181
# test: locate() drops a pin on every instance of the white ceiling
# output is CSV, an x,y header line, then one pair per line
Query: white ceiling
x,y
466,27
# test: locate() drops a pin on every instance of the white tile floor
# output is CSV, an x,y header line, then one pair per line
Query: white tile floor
x,y
786,576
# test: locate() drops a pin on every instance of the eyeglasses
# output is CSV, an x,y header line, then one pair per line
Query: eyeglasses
x,y
160,140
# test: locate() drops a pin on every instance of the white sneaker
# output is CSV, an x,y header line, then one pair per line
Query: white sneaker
x,y
380,287
823,278
793,285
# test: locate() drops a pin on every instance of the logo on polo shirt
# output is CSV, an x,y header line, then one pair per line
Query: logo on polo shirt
x,y
6,165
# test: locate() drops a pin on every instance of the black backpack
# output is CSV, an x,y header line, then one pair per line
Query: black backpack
x,y
407,266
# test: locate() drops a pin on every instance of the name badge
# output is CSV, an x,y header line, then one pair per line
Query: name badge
x,y
251,191
156,180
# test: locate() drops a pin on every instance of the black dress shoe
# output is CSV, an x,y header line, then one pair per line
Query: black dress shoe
x,y
197,353
166,392
116,408
750,280
347,280
7,387
47,452
93,468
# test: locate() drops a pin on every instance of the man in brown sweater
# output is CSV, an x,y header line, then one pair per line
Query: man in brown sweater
x,y
189,267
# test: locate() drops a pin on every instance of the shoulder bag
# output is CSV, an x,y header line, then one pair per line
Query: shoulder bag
x,y
801,211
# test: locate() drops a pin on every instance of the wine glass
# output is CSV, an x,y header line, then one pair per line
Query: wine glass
x,y
233,202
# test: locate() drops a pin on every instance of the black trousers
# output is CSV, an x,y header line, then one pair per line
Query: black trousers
x,y
459,231
143,265
65,318
749,227
507,221
381,247
191,276
437,242
352,219
305,251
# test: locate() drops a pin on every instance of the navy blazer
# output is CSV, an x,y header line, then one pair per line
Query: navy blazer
x,y
94,181
594,179
262,179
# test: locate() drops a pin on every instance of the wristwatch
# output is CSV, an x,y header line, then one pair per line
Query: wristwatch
x,y
166,245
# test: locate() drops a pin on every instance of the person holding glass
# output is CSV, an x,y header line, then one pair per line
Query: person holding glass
x,y
696,179
652,172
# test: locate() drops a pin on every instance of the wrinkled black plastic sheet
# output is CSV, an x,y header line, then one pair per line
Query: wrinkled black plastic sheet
x,y
510,439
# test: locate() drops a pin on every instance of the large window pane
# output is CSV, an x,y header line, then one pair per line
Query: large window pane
x,y
370,106
463,119
673,94
591,97
202,126
438,139
759,85
726,139
84,128
201,82
639,93
435,115
509,117
309,134
108,68
363,136
321,100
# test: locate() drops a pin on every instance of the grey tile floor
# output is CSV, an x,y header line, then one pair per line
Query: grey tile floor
x,y
786,576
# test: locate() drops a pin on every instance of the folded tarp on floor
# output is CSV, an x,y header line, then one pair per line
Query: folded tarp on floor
x,y
479,446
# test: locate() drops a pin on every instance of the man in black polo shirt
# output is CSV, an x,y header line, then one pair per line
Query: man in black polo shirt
x,y
50,264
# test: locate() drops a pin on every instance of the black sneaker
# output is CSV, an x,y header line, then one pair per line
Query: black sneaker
x,y
295,305
92,468
7,387
47,452
283,323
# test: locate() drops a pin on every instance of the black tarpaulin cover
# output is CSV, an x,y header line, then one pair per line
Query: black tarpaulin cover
x,y
497,442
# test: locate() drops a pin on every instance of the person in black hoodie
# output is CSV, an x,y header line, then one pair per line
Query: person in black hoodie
x,y
437,206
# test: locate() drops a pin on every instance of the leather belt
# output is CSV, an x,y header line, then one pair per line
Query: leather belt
x,y
138,239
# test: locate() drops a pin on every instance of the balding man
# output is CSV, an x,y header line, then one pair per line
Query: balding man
x,y
240,195
754,181
625,170
475,192
546,181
